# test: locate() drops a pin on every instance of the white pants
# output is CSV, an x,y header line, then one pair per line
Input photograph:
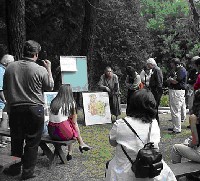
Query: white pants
x,y
4,124
177,108
190,97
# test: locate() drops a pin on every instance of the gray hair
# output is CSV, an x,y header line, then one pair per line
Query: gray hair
x,y
152,61
6,59
194,58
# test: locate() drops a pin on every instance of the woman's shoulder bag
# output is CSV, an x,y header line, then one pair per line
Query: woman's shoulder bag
x,y
148,163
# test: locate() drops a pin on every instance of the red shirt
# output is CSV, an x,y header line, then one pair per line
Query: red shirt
x,y
197,83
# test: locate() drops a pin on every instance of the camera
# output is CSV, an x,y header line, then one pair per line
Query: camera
x,y
41,58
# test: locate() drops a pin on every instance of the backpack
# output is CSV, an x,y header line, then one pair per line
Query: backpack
x,y
148,163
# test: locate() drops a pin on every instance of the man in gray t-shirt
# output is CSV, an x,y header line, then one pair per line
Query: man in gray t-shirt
x,y
23,86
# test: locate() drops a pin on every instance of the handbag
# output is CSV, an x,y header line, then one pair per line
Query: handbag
x,y
148,163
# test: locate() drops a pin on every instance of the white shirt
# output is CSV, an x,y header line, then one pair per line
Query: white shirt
x,y
119,167
145,77
57,118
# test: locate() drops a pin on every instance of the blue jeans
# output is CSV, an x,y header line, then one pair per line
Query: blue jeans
x,y
26,124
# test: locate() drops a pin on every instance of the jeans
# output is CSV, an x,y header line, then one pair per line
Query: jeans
x,y
181,150
26,123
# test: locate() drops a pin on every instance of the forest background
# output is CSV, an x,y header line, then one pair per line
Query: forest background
x,y
109,32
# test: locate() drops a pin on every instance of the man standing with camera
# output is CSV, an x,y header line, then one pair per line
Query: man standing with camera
x,y
177,86
23,86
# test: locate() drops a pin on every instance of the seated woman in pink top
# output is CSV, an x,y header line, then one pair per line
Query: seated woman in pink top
x,y
63,119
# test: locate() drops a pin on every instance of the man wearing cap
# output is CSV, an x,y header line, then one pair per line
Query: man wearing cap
x,y
23,86
155,82
177,87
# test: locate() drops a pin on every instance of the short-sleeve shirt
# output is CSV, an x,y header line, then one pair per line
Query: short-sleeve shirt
x,y
2,72
25,81
181,78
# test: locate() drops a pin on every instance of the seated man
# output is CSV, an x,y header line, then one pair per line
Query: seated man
x,y
189,149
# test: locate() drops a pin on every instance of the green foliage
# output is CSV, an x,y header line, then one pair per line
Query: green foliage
x,y
164,102
157,12
171,27
120,38
195,49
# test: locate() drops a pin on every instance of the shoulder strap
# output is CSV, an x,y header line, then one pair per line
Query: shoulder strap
x,y
149,134
129,158
132,129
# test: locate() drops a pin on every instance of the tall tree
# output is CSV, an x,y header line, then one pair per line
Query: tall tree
x,y
87,40
15,18
196,17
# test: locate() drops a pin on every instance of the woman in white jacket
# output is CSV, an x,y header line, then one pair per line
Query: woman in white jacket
x,y
141,113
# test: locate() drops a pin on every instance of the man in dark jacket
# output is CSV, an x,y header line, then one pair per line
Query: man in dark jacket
x,y
155,82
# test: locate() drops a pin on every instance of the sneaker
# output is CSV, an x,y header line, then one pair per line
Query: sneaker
x,y
2,145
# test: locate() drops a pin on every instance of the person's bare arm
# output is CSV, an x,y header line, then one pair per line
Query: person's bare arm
x,y
195,139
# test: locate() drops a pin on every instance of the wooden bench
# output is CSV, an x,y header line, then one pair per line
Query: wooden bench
x,y
51,155
184,168
6,161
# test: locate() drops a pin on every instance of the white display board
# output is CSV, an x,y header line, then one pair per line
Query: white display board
x,y
96,108
48,97
74,72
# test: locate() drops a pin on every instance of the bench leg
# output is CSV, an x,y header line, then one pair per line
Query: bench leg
x,y
60,153
46,150
53,156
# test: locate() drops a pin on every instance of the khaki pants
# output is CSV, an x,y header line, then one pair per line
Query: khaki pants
x,y
177,106
4,124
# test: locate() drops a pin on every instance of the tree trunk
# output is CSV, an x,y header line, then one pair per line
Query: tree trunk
x,y
15,18
195,17
88,32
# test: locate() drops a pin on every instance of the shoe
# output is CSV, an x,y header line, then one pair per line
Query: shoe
x,y
84,148
23,177
69,157
12,171
2,145
170,129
